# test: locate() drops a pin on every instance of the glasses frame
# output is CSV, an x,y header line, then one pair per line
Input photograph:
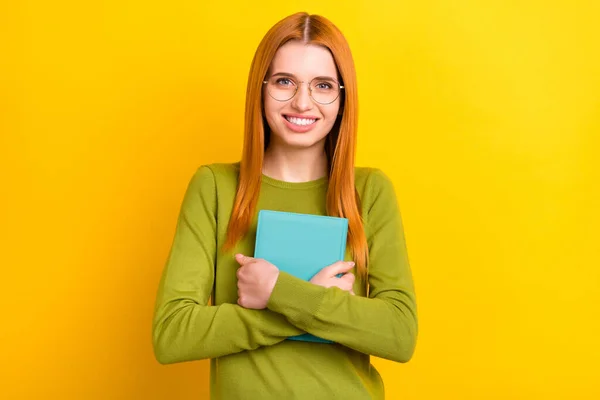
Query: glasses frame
x,y
340,87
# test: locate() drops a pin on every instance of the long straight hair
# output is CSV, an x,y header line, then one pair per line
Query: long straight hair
x,y
340,146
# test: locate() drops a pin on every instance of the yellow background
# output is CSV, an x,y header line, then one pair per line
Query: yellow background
x,y
486,114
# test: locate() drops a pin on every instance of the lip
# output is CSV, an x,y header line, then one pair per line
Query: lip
x,y
298,128
300,116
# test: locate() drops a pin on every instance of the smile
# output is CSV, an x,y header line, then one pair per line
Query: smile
x,y
300,121
300,124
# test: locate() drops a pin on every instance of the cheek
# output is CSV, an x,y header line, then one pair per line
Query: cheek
x,y
331,113
270,108
271,113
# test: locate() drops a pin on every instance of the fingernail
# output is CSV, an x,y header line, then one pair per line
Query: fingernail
x,y
351,263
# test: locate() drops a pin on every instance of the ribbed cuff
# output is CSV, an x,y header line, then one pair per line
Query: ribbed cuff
x,y
297,299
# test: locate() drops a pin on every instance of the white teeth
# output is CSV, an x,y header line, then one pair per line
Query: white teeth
x,y
300,121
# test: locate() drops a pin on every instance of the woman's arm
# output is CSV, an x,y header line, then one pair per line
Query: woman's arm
x,y
185,327
383,325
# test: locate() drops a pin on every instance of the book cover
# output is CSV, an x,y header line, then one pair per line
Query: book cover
x,y
301,245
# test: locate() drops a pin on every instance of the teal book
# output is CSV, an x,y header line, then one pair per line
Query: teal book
x,y
301,245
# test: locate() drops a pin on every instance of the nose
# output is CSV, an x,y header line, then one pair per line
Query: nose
x,y
302,100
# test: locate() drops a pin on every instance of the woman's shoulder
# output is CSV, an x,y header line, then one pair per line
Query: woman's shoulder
x,y
370,178
209,179
373,184
220,172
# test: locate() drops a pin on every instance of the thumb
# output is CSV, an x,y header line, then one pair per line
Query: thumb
x,y
242,259
340,267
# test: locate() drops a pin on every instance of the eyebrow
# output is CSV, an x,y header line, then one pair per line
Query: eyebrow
x,y
294,76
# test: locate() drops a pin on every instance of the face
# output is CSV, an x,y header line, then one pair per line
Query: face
x,y
300,122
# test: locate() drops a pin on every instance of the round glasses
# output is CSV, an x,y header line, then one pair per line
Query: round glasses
x,y
322,90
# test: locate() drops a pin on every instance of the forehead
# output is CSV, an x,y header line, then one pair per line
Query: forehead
x,y
304,61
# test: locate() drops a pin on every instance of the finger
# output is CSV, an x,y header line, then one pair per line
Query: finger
x,y
242,259
339,267
349,277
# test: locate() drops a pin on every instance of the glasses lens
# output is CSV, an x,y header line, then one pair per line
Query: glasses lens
x,y
281,88
325,91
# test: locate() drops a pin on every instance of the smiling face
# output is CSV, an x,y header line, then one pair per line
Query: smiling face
x,y
300,122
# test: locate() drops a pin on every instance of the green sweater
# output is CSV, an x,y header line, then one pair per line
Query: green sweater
x,y
250,358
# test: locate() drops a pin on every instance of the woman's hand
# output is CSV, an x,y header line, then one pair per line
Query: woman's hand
x,y
256,280
327,277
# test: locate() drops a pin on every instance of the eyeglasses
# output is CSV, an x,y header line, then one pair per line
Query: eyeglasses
x,y
322,90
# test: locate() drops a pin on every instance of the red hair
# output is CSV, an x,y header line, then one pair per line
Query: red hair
x,y
342,197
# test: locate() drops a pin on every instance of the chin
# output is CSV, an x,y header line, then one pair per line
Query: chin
x,y
299,140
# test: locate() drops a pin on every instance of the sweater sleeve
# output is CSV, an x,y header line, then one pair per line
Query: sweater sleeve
x,y
185,327
385,323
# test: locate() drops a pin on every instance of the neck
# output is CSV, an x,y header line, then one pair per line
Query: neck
x,y
295,165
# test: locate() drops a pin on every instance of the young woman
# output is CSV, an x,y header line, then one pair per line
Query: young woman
x,y
299,149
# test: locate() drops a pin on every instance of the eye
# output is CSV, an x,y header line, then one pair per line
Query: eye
x,y
324,86
284,82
